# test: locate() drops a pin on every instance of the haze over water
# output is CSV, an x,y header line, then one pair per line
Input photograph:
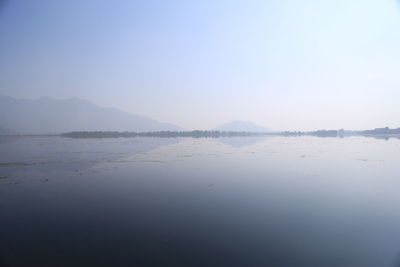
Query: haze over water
x,y
240,201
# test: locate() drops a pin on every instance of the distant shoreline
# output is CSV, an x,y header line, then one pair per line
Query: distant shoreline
x,y
376,133
217,134
380,133
163,134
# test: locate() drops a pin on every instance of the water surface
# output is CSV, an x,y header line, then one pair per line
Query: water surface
x,y
243,201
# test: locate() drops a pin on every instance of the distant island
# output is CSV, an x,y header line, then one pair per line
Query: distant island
x,y
378,133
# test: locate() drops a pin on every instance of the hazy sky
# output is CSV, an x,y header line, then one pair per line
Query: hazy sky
x,y
284,64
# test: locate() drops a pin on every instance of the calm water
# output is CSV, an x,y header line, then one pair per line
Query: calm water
x,y
278,201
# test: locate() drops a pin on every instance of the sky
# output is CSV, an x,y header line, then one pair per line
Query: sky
x,y
283,64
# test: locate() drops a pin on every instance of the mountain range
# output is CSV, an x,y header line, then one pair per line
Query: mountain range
x,y
53,116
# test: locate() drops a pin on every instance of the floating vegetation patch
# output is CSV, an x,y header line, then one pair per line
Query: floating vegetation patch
x,y
371,160
306,156
3,177
87,172
84,152
13,183
44,180
17,164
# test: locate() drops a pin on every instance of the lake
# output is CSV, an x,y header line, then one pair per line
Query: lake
x,y
239,201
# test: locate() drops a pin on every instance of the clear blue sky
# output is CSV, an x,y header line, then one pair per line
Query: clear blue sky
x,y
284,64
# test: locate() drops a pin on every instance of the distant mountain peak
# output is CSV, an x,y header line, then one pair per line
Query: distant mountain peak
x,y
242,126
